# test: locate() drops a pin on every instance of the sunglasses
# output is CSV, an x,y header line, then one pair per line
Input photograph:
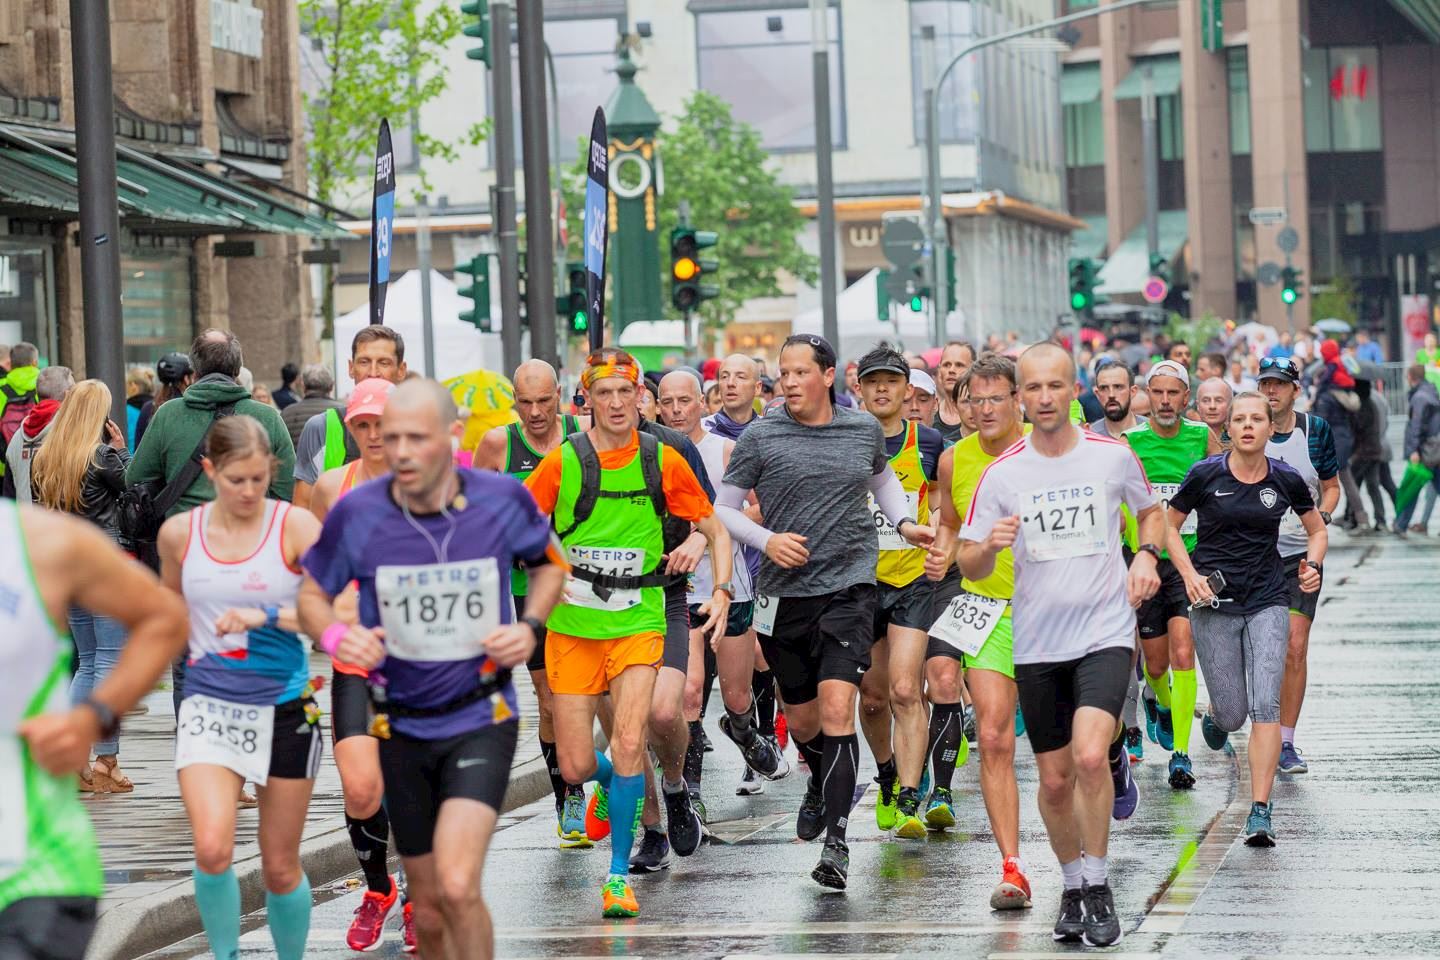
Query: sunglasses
x,y
1283,364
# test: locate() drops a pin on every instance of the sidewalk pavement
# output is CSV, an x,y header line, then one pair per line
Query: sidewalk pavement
x,y
146,844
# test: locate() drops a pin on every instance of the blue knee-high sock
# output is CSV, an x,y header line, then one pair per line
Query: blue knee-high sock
x,y
217,896
289,916
627,797
604,772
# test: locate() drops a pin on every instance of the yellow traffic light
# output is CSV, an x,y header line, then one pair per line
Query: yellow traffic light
x,y
685,269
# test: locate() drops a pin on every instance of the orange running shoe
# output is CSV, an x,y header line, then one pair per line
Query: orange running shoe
x,y
597,815
1013,892
407,926
617,899
367,930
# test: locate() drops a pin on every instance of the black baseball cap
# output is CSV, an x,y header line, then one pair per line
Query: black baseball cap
x,y
1279,368
883,361
173,367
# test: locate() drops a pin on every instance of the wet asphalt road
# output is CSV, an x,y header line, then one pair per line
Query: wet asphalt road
x,y
1357,869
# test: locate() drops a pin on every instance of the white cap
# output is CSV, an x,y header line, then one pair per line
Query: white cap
x,y
1169,368
921,380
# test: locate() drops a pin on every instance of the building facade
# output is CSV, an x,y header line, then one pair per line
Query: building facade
x,y
1320,115
211,179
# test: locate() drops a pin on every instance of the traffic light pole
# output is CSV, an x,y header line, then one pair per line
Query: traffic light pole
x,y
934,214
1150,157
539,258
824,178
507,239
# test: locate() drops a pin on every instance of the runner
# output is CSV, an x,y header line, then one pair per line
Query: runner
x,y
1303,441
1241,499
1168,445
1115,390
955,359
990,666
809,464
249,712
893,686
429,548
517,449
924,402
1212,406
609,491
1052,498
357,752
50,875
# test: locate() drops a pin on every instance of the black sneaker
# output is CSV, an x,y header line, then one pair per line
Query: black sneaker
x,y
971,736
699,806
759,752
811,821
705,739
682,821
834,865
653,855
1101,923
1070,925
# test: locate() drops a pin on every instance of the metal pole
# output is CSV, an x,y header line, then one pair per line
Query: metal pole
x,y
1150,159
422,259
824,179
534,123
555,176
935,228
502,207
99,208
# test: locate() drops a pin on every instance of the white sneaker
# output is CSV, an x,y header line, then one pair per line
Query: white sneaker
x,y
750,784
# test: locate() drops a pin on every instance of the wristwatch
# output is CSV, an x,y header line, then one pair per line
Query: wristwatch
x,y
728,587
536,625
272,615
1314,566
109,723
1326,517
1151,549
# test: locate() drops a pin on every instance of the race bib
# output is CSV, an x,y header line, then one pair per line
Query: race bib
x,y
438,611
885,531
616,561
764,619
14,825
1166,491
236,736
968,622
1064,521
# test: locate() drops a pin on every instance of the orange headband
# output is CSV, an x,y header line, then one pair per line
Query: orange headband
x,y
599,371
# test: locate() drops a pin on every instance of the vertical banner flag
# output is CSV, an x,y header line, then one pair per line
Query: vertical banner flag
x,y
596,228
382,222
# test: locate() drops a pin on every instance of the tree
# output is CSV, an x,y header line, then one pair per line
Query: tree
x,y
371,59
719,166
1336,300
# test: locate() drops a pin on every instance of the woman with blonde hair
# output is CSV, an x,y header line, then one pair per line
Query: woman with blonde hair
x,y
80,469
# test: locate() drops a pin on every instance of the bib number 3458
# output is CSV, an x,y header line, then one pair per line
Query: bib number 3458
x,y
236,736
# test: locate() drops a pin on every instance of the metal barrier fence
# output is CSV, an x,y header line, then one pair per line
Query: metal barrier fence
x,y
1397,391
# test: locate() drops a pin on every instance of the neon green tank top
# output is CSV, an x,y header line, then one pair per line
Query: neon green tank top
x,y
47,846
1167,461
622,536
970,462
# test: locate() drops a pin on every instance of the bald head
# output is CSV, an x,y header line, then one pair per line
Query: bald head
x,y
680,382
537,397
1212,402
421,395
536,374
1047,385
681,402
738,386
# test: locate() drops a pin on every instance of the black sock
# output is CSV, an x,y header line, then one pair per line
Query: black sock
x,y
552,765
762,689
371,840
695,754
842,759
947,726
908,801
886,771
711,671
814,753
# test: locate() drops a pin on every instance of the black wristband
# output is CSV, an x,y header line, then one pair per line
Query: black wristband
x,y
109,723
536,625
1149,548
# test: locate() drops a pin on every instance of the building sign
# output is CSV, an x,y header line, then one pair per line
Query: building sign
x,y
237,26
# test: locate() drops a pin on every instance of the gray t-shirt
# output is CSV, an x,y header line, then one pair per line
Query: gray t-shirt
x,y
814,481
310,451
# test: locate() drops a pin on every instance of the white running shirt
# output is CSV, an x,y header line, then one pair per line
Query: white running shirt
x,y
1070,577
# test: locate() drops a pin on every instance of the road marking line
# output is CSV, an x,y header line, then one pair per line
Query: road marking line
x,y
629,930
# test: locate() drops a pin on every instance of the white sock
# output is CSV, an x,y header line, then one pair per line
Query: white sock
x,y
1287,735
1072,873
676,787
1094,870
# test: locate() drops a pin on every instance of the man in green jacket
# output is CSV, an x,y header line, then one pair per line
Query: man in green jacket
x,y
17,389
178,425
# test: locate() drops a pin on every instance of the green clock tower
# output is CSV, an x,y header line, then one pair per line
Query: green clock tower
x,y
635,184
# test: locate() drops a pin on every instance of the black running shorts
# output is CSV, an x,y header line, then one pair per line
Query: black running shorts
x,y
349,705
907,606
1050,693
1302,603
536,663
821,638
1170,601
46,928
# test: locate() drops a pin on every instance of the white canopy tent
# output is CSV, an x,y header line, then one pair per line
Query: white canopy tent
x,y
459,346
860,329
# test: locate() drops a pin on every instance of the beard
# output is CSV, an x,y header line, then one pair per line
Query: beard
x,y
1116,414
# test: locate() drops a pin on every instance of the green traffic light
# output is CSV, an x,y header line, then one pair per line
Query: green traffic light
x,y
1288,295
1078,301
916,304
580,323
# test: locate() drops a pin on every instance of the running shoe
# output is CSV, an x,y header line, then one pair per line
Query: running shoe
x,y
1152,718
1291,760
811,821
705,739
968,727
1182,775
682,822
597,815
760,754
1019,722
962,753
1127,795
617,899
1013,891
653,855
907,823
782,732
367,930
572,822
886,809
924,790
1165,729
1102,923
1258,830
834,866
941,812
699,806
1135,744
409,941
1070,925
750,784
1215,738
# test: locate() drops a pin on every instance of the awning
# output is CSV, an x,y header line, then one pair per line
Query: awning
x,y
1164,70
1128,266
1090,242
1079,84
1425,14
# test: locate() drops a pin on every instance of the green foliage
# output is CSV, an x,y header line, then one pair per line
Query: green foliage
x,y
1198,333
380,59
719,166
1337,300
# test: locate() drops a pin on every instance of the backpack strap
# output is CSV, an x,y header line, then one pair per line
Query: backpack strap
x,y
654,478
589,481
190,471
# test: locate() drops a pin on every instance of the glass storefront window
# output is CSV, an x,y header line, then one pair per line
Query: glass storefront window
x,y
1171,123
954,28
26,308
1342,100
157,304
1084,135
1239,103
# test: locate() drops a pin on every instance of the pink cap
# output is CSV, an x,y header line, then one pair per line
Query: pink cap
x,y
368,398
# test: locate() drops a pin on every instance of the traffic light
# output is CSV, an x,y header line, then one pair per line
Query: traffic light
x,y
950,277
915,286
477,24
478,292
1289,285
1160,266
1082,285
687,270
576,306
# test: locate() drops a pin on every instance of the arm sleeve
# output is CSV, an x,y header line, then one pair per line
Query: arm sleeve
x,y
310,451
1414,427
729,508
328,561
890,496
112,465
879,460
